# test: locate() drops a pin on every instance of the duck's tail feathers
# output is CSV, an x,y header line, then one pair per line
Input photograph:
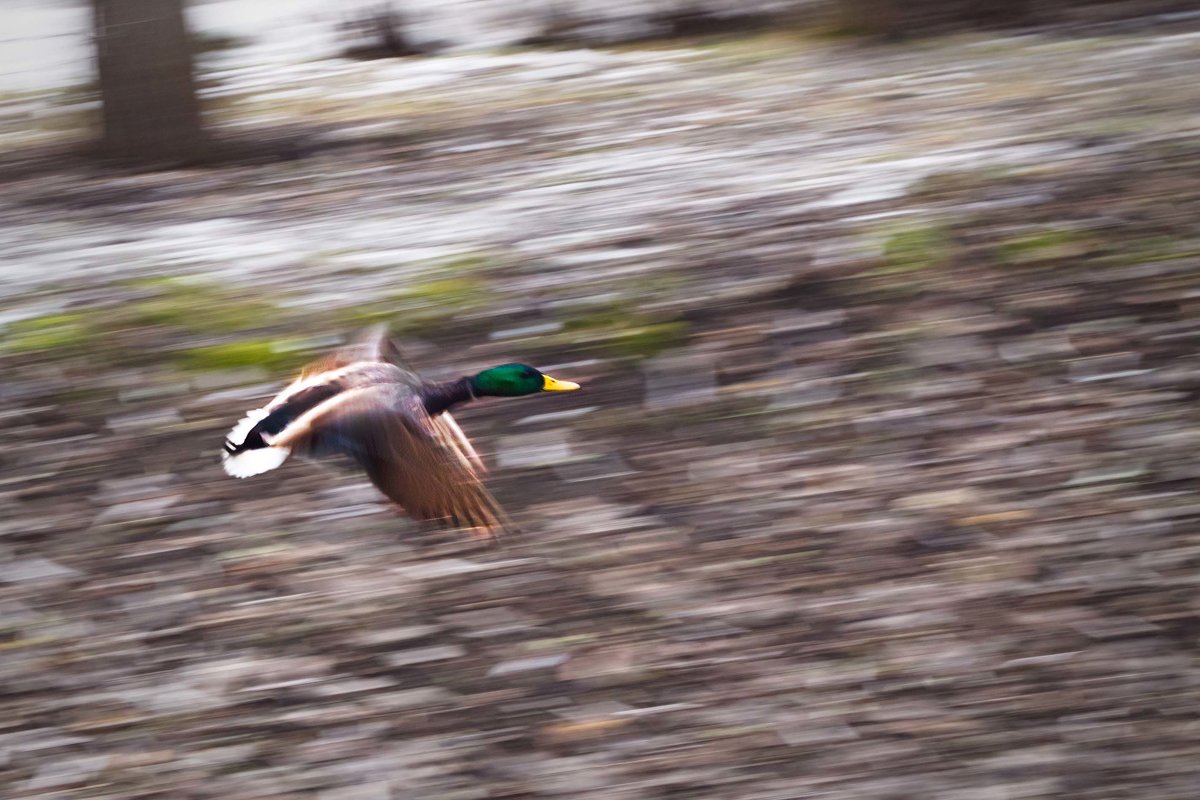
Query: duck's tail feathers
x,y
240,458
254,462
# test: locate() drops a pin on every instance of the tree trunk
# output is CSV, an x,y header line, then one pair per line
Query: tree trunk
x,y
144,60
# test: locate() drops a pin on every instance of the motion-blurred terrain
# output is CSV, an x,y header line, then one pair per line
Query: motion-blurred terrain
x,y
882,484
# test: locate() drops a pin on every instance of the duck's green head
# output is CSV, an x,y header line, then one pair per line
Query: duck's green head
x,y
516,380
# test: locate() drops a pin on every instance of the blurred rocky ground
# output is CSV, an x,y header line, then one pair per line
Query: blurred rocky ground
x,y
882,485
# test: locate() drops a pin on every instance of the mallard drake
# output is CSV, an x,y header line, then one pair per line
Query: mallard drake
x,y
362,402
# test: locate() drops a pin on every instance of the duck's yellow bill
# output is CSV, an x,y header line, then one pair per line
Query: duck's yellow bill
x,y
554,385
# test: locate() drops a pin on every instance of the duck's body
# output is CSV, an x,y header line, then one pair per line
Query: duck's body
x,y
361,403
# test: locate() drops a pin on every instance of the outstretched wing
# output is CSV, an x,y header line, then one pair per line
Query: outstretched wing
x,y
452,436
412,459
374,344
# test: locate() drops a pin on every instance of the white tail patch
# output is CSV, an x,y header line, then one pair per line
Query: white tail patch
x,y
251,462
254,462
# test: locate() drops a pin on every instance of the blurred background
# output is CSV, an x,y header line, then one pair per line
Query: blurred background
x,y
883,484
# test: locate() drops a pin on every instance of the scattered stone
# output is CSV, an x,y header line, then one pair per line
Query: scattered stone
x,y
487,623
580,731
529,450
375,790
533,664
135,510
947,498
127,423
424,655
36,570
391,637
67,773
682,378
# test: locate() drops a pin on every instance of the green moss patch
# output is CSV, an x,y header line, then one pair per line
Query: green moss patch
x,y
917,248
269,354
55,332
425,308
1044,247
194,307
